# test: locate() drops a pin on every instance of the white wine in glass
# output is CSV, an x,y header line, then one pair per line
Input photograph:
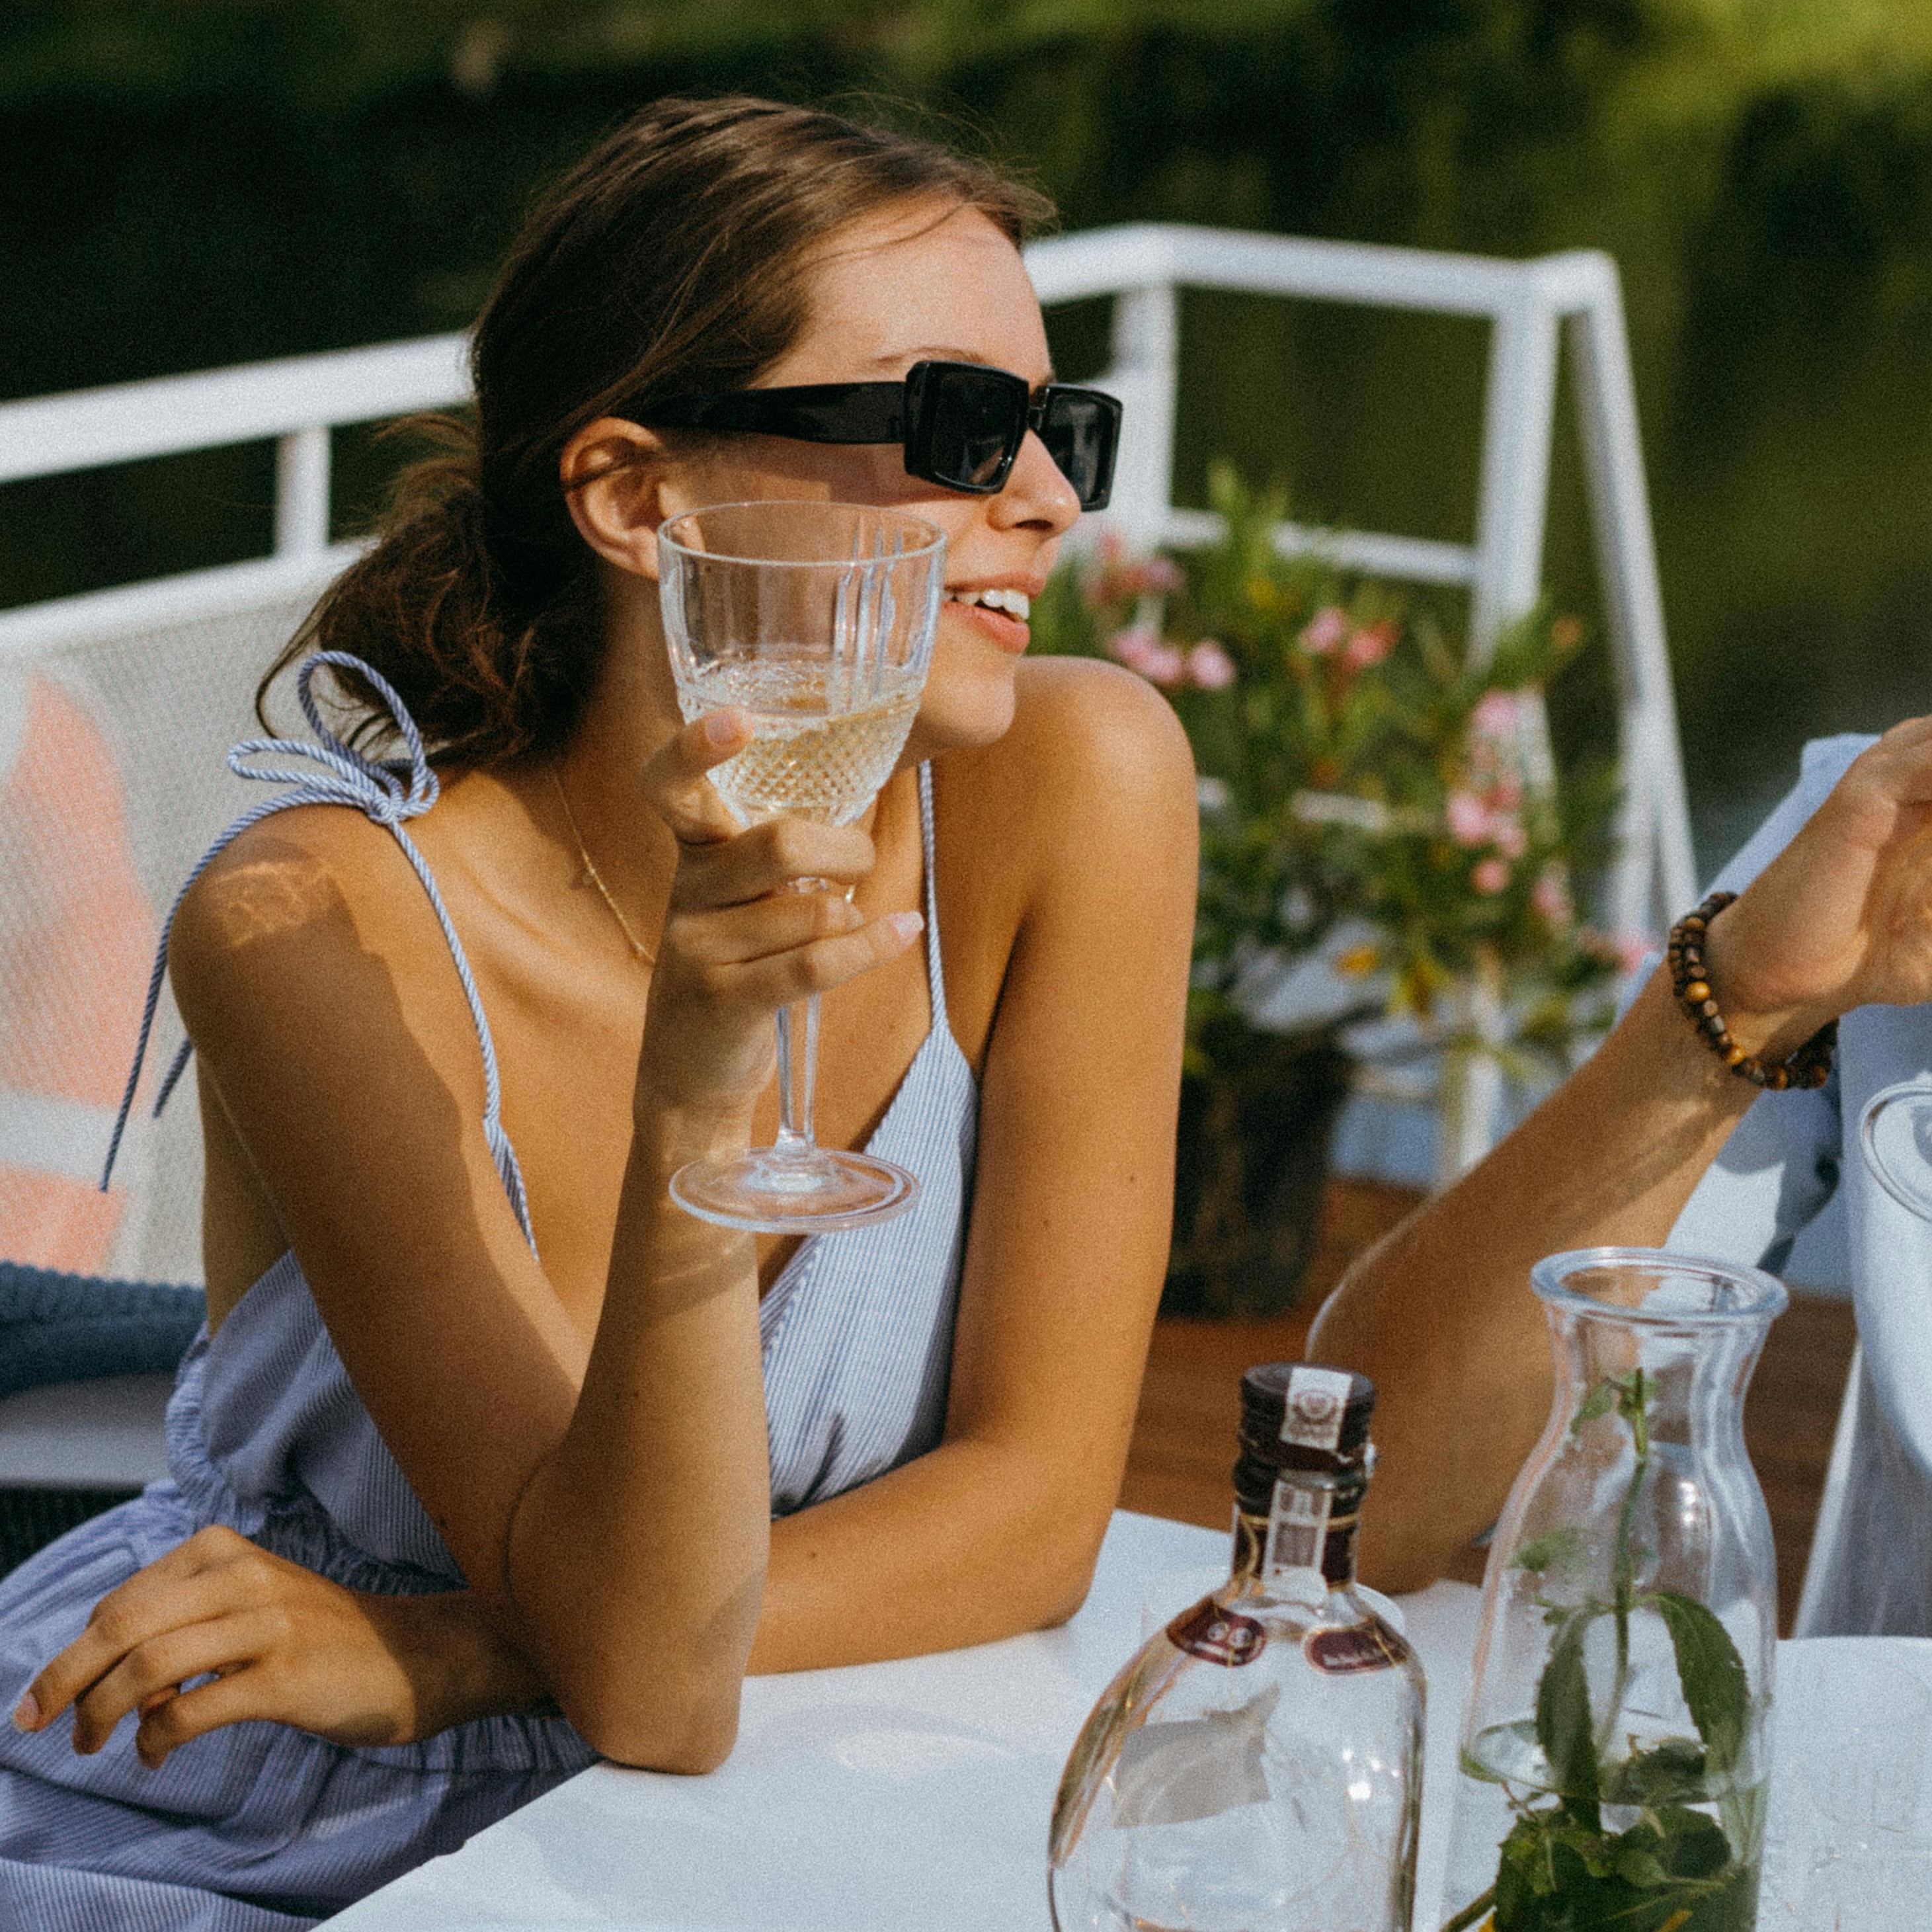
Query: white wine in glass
x,y
816,620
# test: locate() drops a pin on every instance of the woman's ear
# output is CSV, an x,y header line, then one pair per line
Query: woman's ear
x,y
613,473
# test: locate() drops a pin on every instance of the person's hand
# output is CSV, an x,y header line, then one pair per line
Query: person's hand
x,y
758,918
1843,916
274,1641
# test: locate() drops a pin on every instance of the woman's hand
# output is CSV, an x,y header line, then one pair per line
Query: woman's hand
x,y
276,1642
758,918
1843,916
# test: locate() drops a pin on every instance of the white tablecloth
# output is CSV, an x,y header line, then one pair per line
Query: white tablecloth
x,y
909,1797
914,1797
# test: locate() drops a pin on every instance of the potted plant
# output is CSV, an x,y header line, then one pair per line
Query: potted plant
x,y
1379,836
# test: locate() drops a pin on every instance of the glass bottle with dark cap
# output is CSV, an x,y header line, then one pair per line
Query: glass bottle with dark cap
x,y
1258,1766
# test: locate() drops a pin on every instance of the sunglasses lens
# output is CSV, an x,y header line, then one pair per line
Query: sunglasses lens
x,y
1081,433
975,421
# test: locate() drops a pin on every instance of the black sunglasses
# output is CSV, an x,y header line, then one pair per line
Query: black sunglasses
x,y
961,423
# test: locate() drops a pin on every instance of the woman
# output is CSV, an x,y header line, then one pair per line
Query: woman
x,y
442,1465
1655,1140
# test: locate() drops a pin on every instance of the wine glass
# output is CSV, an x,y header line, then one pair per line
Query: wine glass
x,y
1895,1139
816,620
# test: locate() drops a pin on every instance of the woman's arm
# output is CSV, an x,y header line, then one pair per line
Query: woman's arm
x,y
1091,796
277,1643
1439,1314
609,1503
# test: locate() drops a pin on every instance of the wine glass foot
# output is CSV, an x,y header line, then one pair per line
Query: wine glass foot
x,y
763,1193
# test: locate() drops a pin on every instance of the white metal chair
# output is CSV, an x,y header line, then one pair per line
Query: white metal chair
x,y
1533,307
111,783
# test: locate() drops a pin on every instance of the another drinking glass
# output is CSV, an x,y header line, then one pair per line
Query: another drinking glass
x,y
816,619
1895,1138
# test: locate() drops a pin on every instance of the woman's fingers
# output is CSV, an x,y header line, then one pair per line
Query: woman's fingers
x,y
215,1571
123,1620
773,855
723,862
782,977
675,777
166,1660
249,1692
737,933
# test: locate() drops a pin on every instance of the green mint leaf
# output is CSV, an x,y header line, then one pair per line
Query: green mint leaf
x,y
1597,1402
1694,1846
1671,1772
1553,1547
1563,1722
1641,1868
1712,1674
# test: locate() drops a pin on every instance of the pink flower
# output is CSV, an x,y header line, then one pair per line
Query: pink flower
x,y
1469,818
1141,649
1494,716
1551,897
1508,836
1325,631
1490,876
1209,665
1369,646
1124,578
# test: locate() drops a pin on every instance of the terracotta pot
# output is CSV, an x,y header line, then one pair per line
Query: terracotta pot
x,y
1251,1162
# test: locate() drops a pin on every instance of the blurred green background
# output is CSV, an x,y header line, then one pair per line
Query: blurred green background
x,y
190,183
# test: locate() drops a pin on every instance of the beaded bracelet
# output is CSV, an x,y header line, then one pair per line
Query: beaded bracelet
x,y
1810,1066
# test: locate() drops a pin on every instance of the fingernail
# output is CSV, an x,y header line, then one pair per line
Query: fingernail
x,y
27,1714
721,727
905,924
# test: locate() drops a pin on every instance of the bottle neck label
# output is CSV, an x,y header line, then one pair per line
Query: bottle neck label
x,y
1303,1539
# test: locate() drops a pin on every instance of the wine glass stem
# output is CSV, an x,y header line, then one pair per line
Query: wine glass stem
x,y
798,1069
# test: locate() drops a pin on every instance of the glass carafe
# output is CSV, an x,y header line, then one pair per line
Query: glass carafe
x,y
1613,1763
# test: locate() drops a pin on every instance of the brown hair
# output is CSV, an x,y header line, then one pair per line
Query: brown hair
x,y
672,258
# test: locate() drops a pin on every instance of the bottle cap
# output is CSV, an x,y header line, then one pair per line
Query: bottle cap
x,y
1297,1415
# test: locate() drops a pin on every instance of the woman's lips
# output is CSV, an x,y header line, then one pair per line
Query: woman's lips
x,y
995,626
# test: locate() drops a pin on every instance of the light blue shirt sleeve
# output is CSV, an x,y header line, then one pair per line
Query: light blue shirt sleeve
x,y
1780,1165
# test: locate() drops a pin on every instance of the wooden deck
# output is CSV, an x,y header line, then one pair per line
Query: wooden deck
x,y
1184,1445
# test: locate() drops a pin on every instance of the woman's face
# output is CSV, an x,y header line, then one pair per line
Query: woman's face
x,y
897,289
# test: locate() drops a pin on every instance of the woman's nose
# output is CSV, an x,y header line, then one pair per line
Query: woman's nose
x,y
1036,493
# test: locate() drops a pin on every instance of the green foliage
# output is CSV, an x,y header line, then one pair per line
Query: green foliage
x,y
1675,1869
1564,1726
1712,1674
1552,1550
1358,768
197,182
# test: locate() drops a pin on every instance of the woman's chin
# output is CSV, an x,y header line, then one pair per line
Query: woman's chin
x,y
958,713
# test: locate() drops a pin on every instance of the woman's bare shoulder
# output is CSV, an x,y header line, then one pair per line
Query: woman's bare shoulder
x,y
270,925
1094,753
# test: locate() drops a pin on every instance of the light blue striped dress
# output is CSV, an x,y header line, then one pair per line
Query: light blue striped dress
x,y
260,1828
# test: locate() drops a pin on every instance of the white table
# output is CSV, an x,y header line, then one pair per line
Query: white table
x,y
914,1797
909,1797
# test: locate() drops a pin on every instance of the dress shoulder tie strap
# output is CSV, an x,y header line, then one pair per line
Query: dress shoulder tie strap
x,y
935,973
390,794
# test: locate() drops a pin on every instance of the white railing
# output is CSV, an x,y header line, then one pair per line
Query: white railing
x,y
1532,306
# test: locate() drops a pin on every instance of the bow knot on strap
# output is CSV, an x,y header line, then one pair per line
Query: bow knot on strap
x,y
346,776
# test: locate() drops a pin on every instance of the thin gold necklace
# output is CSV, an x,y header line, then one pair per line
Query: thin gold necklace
x,y
596,877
